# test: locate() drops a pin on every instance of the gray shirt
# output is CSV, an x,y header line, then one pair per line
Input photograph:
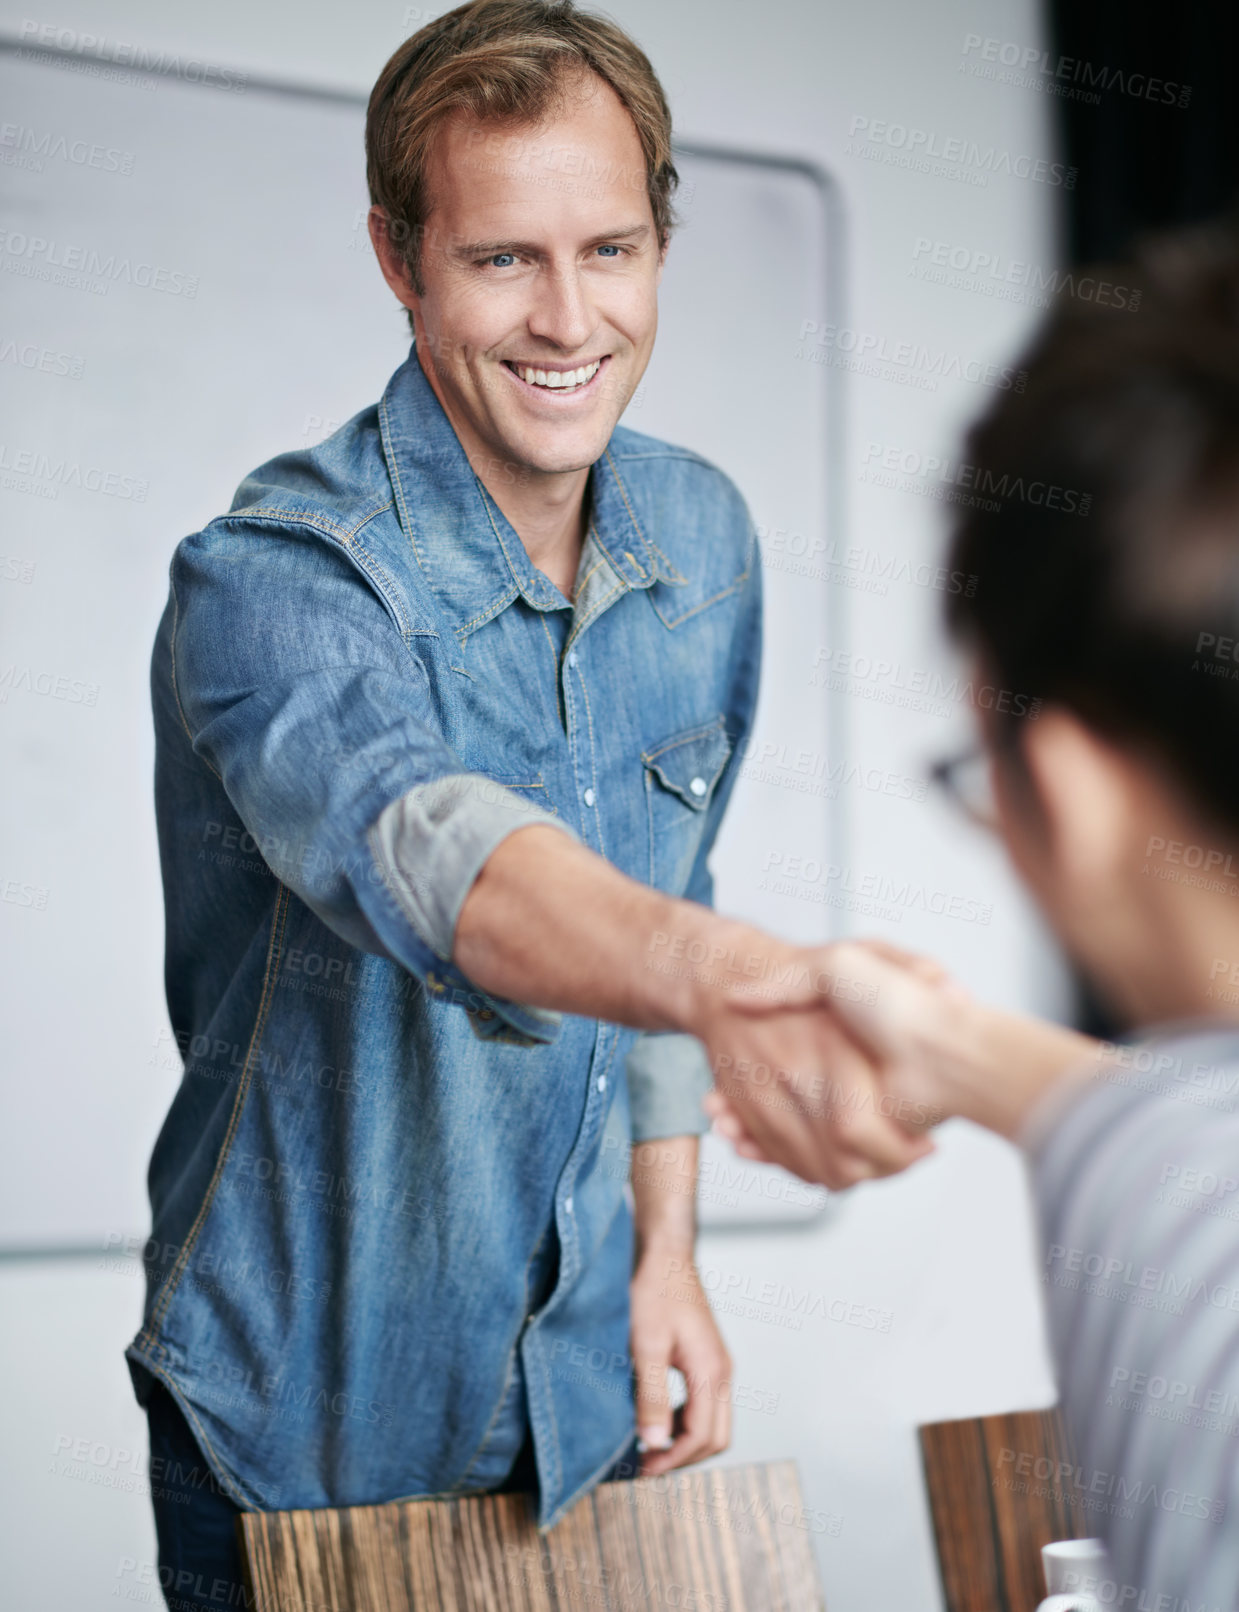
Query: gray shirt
x,y
1137,1186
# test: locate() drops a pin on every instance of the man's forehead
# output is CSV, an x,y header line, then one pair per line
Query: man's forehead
x,y
586,147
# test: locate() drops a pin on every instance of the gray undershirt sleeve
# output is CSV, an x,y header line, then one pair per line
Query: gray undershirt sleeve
x,y
432,843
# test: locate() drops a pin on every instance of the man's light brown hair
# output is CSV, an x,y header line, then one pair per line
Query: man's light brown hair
x,y
502,62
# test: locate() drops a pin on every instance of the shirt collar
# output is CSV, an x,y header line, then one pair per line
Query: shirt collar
x,y
464,544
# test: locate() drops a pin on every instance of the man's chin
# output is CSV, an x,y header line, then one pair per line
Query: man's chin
x,y
558,458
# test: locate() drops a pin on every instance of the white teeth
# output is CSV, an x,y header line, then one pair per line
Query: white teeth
x,y
558,380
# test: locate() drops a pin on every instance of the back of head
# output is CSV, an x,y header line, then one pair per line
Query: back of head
x,y
1105,537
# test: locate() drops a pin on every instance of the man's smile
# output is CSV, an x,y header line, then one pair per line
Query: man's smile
x,y
560,378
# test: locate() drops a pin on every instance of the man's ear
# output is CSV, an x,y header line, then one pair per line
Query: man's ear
x,y
391,259
1087,794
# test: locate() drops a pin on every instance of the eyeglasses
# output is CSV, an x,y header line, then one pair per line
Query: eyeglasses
x,y
967,781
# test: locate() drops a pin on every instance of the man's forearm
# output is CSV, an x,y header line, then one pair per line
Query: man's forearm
x,y
551,923
664,1194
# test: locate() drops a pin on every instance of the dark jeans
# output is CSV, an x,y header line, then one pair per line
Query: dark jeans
x,y
195,1521
199,1559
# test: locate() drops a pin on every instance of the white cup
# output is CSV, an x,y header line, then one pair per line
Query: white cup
x,y
1070,1562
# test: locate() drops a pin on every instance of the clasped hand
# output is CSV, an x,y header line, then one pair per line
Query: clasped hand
x,y
818,1064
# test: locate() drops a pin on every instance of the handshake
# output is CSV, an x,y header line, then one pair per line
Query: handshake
x,y
836,1061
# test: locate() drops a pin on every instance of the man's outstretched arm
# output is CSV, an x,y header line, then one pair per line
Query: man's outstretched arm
x,y
550,923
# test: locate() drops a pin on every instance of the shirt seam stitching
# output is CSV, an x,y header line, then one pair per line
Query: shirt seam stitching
x,y
387,436
719,725
176,692
559,705
274,947
713,599
346,537
673,570
593,763
494,609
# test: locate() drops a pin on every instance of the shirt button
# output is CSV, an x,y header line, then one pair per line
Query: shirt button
x,y
602,1083
567,1206
698,786
588,797
572,657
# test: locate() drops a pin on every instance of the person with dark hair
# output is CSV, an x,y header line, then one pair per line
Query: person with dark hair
x,y
1107,558
448,710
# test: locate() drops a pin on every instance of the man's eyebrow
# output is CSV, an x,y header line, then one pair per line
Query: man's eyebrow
x,y
471,249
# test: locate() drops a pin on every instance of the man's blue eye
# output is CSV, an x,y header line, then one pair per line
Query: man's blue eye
x,y
502,259
614,249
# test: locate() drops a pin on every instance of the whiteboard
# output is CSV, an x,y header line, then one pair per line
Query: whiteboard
x,y
188,289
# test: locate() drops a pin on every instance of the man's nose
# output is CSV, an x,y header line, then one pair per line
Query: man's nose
x,y
563,312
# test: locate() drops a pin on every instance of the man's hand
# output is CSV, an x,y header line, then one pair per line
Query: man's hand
x,y
671,1322
806,1093
928,1049
672,1325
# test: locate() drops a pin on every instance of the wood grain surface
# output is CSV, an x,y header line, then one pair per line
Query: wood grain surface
x,y
1000,1487
732,1539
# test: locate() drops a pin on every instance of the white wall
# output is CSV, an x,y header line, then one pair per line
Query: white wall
x,y
942,1256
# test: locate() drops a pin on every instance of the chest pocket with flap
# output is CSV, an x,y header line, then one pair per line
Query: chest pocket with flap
x,y
681,774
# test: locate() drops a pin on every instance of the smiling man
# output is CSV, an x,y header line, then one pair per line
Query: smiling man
x,y
448,710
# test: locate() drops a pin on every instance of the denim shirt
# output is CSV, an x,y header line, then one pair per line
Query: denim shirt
x,y
380,1191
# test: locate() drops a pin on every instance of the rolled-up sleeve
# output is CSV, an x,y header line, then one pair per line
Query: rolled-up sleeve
x,y
297,687
669,1073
